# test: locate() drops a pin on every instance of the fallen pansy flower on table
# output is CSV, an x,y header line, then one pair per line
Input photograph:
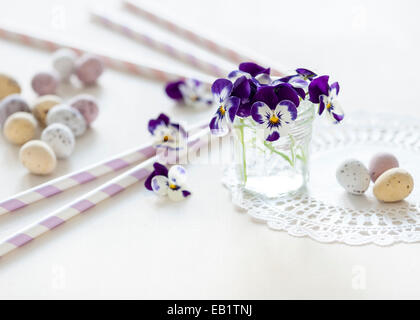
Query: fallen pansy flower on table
x,y
167,135
168,182
190,92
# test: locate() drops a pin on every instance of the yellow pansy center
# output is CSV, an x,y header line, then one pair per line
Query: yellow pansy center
x,y
222,110
274,119
172,186
328,105
166,138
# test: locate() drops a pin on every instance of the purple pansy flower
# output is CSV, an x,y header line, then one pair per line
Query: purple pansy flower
x,y
227,106
170,183
324,94
274,116
300,80
250,70
168,135
191,92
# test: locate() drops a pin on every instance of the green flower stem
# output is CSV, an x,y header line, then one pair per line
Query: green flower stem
x,y
242,137
271,148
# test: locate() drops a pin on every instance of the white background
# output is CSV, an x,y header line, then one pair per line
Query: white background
x,y
135,246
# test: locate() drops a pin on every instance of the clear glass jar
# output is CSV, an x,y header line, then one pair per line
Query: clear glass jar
x,y
277,168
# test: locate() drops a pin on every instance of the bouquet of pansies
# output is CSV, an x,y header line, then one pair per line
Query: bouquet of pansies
x,y
272,104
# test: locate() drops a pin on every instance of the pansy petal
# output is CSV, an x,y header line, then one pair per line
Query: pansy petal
x,y
263,79
241,88
286,111
266,95
253,69
221,89
335,112
160,185
323,101
261,112
244,110
271,135
298,82
318,87
231,105
235,74
160,169
306,73
285,91
173,91
218,126
335,89
176,194
177,175
186,193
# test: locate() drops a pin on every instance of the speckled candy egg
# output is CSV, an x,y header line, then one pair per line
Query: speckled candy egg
x,y
353,176
380,163
63,61
8,86
38,157
20,127
68,116
89,68
45,83
60,138
87,106
43,105
11,104
393,185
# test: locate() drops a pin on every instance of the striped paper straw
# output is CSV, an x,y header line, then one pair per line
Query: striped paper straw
x,y
92,198
33,40
93,172
164,47
226,51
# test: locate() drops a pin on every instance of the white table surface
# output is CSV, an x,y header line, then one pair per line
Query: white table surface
x,y
137,247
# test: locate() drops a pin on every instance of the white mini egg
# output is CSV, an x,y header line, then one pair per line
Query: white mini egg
x,y
63,61
68,116
60,138
353,176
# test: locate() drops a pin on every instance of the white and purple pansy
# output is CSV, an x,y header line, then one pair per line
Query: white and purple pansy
x,y
251,70
326,96
190,92
227,106
168,183
274,116
167,135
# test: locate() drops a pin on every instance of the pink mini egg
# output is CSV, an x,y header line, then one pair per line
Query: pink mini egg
x,y
87,106
89,68
380,163
45,83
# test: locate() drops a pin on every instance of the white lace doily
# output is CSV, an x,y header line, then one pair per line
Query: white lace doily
x,y
325,212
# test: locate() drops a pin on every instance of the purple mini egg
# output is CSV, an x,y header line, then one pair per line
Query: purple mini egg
x,y
45,83
380,163
89,68
87,106
12,104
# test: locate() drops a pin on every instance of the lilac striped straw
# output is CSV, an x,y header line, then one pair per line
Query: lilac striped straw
x,y
226,51
168,49
37,41
93,172
92,198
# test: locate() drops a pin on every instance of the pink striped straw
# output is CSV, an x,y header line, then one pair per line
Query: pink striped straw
x,y
226,51
94,197
93,172
167,48
33,40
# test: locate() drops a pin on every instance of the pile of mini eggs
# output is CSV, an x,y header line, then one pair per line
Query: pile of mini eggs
x,y
391,183
65,63
62,121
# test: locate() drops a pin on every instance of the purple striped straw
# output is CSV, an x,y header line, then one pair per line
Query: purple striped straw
x,y
93,172
92,198
167,48
33,40
227,51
